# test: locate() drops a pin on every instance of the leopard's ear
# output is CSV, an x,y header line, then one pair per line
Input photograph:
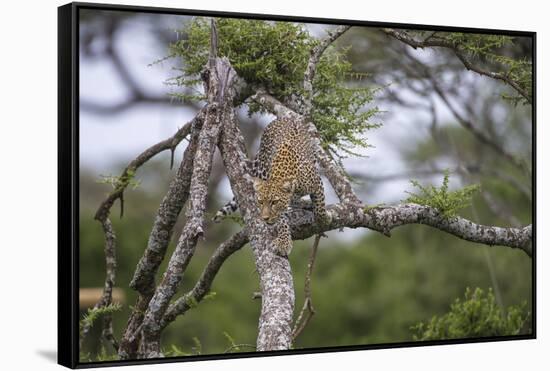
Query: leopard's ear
x,y
289,185
257,182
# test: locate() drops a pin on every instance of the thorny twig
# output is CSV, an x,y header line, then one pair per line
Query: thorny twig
x,y
118,193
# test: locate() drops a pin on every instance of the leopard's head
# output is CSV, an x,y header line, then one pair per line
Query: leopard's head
x,y
273,197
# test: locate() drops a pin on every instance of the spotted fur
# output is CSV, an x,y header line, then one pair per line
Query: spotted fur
x,y
284,170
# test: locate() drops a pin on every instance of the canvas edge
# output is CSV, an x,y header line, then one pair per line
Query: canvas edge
x,y
67,263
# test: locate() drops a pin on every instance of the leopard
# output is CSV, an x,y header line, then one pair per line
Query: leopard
x,y
284,170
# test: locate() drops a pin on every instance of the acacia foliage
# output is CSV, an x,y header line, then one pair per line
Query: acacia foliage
x,y
447,202
274,56
477,315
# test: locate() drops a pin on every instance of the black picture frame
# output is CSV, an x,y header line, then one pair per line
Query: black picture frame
x,y
68,181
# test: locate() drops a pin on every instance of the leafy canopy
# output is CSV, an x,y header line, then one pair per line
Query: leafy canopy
x,y
274,55
476,316
447,202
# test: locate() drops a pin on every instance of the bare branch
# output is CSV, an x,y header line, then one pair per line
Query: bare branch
x,y
466,123
137,94
109,110
107,332
300,325
314,58
110,276
170,143
474,129
396,176
442,43
203,285
213,39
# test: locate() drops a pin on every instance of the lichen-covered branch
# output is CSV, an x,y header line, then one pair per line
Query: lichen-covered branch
x,y
475,130
167,215
218,79
108,333
442,43
144,277
203,285
385,219
381,219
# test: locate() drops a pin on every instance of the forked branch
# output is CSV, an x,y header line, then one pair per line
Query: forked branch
x,y
118,193
314,59
107,295
460,54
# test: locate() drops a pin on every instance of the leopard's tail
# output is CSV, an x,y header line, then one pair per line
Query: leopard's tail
x,y
227,209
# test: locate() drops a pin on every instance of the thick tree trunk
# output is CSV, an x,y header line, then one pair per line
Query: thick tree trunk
x,y
274,327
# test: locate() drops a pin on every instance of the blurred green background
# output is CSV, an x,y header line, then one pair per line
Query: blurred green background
x,y
368,290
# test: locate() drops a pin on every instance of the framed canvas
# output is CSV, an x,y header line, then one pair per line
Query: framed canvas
x,y
241,185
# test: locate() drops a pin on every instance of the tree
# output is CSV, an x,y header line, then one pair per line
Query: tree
x,y
280,69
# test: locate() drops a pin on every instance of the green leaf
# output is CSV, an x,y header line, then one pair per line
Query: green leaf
x,y
94,313
448,203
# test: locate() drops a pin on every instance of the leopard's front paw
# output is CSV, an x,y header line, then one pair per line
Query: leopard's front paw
x,y
324,218
283,249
